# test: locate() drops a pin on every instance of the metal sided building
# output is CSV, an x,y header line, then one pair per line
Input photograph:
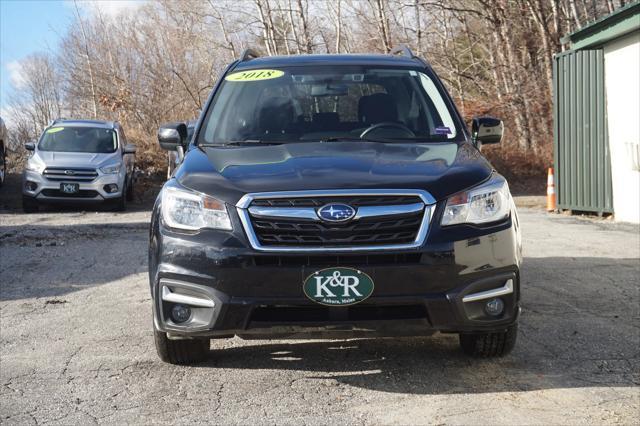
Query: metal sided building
x,y
596,86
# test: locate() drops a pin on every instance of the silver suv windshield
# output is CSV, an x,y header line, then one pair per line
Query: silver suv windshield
x,y
79,139
328,103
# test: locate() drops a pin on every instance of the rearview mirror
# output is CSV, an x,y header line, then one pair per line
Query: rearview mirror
x,y
129,148
329,90
30,146
172,135
486,130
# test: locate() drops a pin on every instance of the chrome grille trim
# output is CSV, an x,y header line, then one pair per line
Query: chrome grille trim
x,y
69,174
283,212
244,208
310,213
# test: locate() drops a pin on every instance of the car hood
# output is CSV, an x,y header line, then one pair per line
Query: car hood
x,y
442,169
76,159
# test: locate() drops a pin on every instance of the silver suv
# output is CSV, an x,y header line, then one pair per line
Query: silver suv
x,y
79,161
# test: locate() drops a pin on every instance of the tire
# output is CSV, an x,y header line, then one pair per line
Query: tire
x,y
120,203
180,351
29,205
130,190
3,165
488,345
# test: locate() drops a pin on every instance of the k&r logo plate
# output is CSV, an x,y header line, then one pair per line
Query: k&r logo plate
x,y
338,286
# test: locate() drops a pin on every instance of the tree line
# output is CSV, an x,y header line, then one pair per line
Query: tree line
x,y
159,62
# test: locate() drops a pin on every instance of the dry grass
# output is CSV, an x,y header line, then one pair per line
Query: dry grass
x,y
525,171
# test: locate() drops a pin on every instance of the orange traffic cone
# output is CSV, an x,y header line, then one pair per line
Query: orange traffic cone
x,y
551,192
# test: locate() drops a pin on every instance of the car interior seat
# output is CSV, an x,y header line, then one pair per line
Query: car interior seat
x,y
276,115
377,108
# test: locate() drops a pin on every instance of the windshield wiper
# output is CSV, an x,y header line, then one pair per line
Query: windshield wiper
x,y
381,140
246,142
342,139
357,139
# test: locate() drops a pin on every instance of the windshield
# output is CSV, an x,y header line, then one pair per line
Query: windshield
x,y
79,139
323,103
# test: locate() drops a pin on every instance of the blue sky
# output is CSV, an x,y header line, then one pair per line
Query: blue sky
x,y
28,26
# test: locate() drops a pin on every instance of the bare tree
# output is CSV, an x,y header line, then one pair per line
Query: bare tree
x,y
160,63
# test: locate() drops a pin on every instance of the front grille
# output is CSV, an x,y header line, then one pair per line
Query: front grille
x,y
340,260
369,231
70,174
289,221
83,193
353,201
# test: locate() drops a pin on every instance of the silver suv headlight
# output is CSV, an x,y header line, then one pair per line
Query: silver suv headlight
x,y
112,169
486,203
183,209
34,166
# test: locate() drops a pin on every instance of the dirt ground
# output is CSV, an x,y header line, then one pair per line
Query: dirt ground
x,y
76,344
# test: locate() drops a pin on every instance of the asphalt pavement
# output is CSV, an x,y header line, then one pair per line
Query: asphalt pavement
x,y
76,344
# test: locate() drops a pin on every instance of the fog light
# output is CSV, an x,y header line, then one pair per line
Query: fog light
x,y
31,186
494,307
111,188
180,313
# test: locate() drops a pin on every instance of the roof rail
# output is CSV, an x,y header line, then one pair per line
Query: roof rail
x,y
248,54
407,53
402,48
56,120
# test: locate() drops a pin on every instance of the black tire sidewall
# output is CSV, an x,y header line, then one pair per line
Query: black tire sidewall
x,y
3,165
129,190
29,205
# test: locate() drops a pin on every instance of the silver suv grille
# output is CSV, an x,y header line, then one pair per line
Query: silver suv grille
x,y
384,219
70,174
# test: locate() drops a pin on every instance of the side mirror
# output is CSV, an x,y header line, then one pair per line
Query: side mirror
x,y
129,148
486,130
172,135
30,146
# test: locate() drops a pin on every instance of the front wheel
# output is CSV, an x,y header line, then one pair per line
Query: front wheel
x,y
488,345
3,165
130,190
120,203
29,205
180,351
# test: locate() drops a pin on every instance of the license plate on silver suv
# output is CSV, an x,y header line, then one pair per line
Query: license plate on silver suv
x,y
69,188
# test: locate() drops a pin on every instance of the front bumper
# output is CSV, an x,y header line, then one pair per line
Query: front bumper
x,y
243,292
94,191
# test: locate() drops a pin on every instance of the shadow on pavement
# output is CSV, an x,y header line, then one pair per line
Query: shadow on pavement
x,y
436,365
579,325
579,328
43,261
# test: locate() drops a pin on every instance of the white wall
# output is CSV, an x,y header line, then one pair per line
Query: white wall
x,y
622,86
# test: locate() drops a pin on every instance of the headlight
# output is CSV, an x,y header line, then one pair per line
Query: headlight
x,y
187,210
488,202
32,166
111,170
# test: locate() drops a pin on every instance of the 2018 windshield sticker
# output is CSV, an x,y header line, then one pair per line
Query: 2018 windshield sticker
x,y
254,75
55,129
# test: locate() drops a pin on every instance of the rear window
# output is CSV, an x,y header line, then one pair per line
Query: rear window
x,y
79,139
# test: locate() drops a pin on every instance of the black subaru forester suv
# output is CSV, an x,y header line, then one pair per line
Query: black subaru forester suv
x,y
333,196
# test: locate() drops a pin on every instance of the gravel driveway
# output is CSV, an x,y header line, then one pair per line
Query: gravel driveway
x,y
76,343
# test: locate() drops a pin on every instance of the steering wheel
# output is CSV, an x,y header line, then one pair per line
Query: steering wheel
x,y
388,124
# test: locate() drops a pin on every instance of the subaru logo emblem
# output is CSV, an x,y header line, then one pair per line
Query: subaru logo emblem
x,y
69,172
336,212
